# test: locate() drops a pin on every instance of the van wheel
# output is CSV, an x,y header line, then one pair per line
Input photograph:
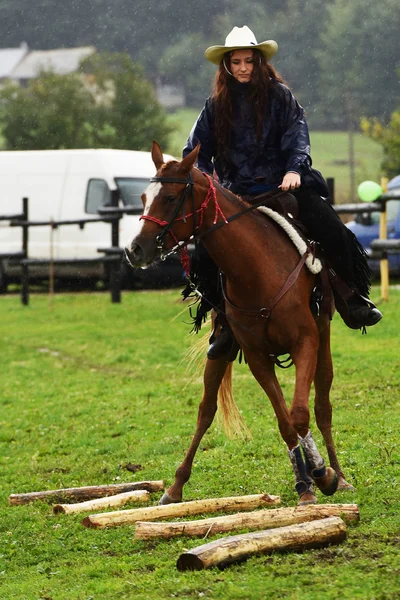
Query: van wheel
x,y
3,280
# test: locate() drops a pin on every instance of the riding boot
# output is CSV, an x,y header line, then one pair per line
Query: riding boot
x,y
222,340
356,310
363,311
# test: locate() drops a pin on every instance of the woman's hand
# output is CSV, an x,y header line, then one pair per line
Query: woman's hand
x,y
291,181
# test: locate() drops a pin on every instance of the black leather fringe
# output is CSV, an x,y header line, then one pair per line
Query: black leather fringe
x,y
203,277
362,272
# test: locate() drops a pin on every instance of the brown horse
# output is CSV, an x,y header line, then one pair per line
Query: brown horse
x,y
257,259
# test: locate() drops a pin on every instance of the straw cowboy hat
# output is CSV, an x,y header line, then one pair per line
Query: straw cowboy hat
x,y
238,39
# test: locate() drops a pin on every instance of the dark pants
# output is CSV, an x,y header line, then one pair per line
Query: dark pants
x,y
340,246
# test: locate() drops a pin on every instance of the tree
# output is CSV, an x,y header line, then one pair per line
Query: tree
x,y
389,137
108,104
358,61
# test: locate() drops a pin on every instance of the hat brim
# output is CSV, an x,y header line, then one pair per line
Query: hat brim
x,y
215,53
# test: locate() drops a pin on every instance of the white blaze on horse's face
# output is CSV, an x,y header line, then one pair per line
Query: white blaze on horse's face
x,y
150,193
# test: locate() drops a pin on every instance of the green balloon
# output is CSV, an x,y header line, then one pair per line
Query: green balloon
x,y
368,191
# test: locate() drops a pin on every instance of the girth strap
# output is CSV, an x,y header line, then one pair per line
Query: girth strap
x,y
290,281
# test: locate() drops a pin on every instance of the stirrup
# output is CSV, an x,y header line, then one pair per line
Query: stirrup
x,y
356,310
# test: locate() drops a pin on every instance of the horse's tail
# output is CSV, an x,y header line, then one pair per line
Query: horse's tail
x,y
232,419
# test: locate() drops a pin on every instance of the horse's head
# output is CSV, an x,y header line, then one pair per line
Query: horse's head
x,y
167,202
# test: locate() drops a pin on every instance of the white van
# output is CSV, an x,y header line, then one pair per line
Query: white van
x,y
68,185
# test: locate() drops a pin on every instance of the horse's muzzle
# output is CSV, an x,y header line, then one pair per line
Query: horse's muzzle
x,y
139,255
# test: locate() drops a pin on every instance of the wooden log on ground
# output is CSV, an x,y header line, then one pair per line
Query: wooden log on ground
x,y
259,519
181,509
99,503
302,536
85,493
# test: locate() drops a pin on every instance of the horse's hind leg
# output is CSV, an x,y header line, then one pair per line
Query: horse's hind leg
x,y
322,406
213,376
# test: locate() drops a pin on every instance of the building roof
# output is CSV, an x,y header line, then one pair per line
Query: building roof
x,y
10,57
61,61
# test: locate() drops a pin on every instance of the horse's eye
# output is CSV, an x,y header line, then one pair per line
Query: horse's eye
x,y
171,198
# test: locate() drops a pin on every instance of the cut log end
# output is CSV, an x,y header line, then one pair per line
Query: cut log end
x,y
189,562
87,522
59,509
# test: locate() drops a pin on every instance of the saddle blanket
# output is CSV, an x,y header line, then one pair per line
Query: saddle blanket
x,y
314,265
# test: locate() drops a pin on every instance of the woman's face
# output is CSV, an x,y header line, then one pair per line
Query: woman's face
x,y
242,65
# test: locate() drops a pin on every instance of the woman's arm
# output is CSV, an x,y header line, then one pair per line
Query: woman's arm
x,y
202,133
295,140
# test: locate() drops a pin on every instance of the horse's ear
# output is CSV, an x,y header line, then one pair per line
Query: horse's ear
x,y
157,155
189,160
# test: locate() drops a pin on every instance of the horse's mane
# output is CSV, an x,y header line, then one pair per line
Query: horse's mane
x,y
236,200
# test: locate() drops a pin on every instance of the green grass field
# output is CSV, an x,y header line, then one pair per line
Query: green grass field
x,y
329,150
90,386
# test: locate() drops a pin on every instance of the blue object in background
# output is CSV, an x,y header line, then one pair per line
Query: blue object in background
x,y
366,228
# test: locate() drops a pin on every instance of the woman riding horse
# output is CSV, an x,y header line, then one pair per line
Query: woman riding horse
x,y
254,136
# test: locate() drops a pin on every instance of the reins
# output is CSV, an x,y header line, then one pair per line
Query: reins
x,y
181,246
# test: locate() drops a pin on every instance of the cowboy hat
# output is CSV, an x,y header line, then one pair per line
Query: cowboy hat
x,y
238,39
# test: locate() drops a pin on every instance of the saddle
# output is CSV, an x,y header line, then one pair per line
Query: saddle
x,y
286,206
330,290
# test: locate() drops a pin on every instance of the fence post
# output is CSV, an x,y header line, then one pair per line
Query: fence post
x,y
115,281
24,283
25,228
384,263
24,267
115,266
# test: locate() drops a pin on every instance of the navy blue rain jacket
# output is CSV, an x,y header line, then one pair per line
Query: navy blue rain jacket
x,y
255,165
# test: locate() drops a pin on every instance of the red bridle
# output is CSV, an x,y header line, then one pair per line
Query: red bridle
x,y
167,225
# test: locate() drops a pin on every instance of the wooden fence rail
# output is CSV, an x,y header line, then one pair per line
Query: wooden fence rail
x,y
383,245
111,256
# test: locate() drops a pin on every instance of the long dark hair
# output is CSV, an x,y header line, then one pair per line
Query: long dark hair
x,y
263,78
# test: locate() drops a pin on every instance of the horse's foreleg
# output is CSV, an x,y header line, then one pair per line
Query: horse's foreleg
x,y
322,406
263,371
213,375
305,357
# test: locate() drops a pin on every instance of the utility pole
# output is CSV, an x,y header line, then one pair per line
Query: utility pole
x,y
350,130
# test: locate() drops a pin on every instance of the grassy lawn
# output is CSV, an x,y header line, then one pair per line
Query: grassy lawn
x,y
90,386
329,153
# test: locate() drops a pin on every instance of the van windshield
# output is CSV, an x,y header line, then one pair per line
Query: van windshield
x,y
392,208
131,189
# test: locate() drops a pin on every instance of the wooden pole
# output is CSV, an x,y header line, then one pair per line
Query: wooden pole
x,y
182,509
302,536
99,503
51,266
85,493
384,263
350,131
260,519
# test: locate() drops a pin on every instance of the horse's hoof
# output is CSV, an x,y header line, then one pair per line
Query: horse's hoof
x,y
166,499
306,499
344,486
328,484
